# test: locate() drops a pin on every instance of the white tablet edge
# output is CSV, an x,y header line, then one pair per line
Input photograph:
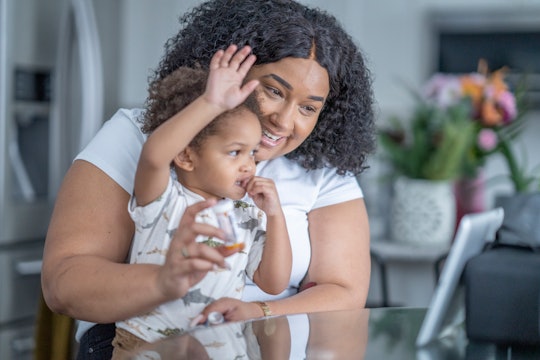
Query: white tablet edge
x,y
474,231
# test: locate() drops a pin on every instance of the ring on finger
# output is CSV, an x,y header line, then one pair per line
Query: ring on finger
x,y
185,252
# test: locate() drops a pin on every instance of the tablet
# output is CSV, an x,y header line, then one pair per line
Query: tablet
x,y
446,310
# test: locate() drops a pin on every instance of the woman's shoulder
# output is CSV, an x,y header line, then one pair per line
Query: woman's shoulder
x,y
115,149
126,119
123,127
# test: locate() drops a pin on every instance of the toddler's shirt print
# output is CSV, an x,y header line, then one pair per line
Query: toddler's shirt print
x,y
156,224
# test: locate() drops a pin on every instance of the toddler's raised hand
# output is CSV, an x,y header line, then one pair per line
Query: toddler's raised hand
x,y
227,72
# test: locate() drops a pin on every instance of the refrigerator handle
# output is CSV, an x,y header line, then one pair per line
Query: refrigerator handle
x,y
78,20
19,169
91,70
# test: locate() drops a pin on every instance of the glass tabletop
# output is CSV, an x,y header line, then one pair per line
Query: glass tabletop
x,y
381,333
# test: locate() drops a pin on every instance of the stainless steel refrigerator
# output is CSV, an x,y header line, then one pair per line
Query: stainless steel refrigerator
x,y
51,104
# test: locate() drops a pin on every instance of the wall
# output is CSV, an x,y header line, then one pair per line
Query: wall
x,y
145,26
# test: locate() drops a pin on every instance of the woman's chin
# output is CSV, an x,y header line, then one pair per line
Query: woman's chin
x,y
267,153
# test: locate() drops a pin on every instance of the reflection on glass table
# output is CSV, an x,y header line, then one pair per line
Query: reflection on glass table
x,y
382,333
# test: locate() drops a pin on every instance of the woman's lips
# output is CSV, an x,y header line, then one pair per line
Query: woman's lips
x,y
271,140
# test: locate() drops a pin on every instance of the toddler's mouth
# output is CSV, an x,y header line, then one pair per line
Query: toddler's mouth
x,y
242,183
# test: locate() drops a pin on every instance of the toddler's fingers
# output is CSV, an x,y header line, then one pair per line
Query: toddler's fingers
x,y
228,55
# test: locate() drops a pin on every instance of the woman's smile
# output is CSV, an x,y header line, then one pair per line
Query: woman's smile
x,y
271,140
290,97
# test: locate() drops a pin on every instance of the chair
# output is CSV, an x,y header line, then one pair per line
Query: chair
x,y
54,334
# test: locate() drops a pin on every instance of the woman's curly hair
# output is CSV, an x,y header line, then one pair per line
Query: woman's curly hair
x,y
275,29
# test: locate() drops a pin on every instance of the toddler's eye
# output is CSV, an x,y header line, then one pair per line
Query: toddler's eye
x,y
234,152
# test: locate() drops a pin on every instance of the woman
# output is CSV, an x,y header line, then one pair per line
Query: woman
x,y
316,113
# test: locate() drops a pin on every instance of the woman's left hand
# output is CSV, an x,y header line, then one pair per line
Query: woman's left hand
x,y
232,310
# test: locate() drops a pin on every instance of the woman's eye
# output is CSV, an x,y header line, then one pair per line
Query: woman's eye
x,y
309,110
273,91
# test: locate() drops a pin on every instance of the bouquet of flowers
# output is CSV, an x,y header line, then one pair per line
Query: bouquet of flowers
x,y
491,105
460,121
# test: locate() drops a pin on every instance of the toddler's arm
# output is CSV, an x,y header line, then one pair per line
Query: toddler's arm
x,y
274,270
224,91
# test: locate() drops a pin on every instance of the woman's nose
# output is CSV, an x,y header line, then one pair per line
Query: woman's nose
x,y
283,118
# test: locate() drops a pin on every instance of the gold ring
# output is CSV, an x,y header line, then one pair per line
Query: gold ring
x,y
185,252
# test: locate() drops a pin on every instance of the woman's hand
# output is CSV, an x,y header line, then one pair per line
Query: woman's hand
x,y
187,261
232,310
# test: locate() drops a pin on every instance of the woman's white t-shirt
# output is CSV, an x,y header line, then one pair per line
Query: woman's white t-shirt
x,y
116,148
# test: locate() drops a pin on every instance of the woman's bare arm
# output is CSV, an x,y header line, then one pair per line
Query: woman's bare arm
x,y
84,275
89,237
340,261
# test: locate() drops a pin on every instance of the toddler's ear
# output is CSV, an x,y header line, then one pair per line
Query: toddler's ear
x,y
184,159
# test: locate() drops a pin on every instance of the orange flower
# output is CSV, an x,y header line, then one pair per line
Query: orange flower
x,y
497,81
489,95
490,115
473,87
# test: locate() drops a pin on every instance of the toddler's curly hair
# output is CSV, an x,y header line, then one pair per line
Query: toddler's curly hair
x,y
171,94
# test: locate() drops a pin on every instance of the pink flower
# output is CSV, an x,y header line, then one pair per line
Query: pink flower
x,y
507,102
487,139
444,90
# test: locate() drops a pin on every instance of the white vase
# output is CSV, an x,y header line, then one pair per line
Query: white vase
x,y
423,212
